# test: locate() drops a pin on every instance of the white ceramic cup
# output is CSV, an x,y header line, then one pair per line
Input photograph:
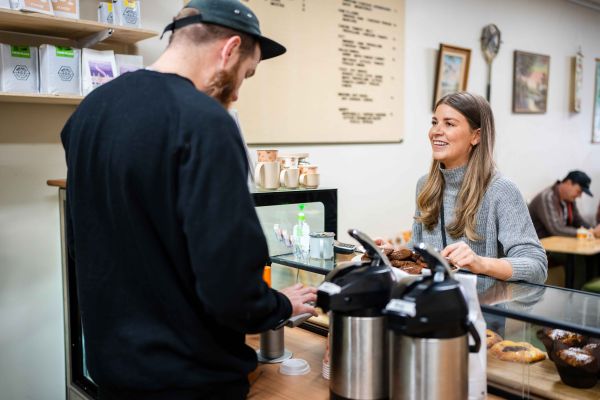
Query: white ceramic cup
x,y
310,181
266,175
289,178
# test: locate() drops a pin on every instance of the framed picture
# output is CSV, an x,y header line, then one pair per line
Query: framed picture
x,y
452,71
530,84
576,82
596,131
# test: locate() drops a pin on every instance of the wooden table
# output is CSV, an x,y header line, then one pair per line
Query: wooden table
x,y
573,247
268,383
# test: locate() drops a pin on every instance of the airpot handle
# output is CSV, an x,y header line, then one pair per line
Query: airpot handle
x,y
371,249
436,262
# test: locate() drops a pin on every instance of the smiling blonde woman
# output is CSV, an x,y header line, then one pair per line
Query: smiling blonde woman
x,y
465,207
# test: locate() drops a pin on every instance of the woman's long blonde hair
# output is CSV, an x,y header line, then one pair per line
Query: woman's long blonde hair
x,y
480,169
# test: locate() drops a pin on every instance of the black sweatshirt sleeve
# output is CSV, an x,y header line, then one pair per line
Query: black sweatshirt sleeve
x,y
227,247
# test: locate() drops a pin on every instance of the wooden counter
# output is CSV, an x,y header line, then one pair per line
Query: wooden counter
x,y
268,383
60,183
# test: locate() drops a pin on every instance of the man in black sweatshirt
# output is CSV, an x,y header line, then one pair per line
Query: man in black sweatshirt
x,y
168,249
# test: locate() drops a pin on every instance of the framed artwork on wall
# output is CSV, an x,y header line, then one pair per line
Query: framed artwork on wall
x,y
576,82
452,71
596,131
530,82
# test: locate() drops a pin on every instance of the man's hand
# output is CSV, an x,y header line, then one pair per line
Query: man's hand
x,y
597,231
299,295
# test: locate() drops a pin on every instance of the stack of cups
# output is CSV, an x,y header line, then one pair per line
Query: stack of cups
x,y
326,368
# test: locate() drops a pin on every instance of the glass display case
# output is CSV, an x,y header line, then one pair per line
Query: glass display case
x,y
516,311
519,312
278,215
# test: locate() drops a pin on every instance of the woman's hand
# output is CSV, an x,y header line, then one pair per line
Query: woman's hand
x,y
383,244
461,255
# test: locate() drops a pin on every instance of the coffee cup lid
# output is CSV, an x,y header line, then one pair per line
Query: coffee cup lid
x,y
294,366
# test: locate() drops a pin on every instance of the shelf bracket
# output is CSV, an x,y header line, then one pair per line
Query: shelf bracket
x,y
95,38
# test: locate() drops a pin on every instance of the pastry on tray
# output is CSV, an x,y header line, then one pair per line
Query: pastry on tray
x,y
492,338
404,259
577,367
521,352
558,339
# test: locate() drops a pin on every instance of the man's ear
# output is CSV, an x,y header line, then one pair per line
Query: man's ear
x,y
230,51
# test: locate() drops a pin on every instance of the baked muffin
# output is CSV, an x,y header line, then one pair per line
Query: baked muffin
x,y
576,367
492,338
521,352
400,254
410,267
559,339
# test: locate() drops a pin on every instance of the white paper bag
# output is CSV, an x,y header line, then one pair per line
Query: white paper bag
x,y
19,69
127,13
128,63
477,361
97,68
66,8
106,12
40,6
60,70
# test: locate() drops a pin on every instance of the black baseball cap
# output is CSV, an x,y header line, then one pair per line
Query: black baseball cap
x,y
582,179
230,14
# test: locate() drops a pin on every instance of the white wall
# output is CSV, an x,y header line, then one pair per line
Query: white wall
x,y
376,182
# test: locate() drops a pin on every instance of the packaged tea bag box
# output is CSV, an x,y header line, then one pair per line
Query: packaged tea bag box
x,y
60,70
66,8
128,63
19,69
106,12
97,68
128,13
40,6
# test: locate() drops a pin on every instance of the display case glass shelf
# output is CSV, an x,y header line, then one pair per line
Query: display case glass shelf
x,y
311,265
538,304
543,305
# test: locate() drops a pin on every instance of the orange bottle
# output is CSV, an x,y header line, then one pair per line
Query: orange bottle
x,y
267,275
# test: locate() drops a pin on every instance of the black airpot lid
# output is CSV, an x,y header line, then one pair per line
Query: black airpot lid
x,y
358,288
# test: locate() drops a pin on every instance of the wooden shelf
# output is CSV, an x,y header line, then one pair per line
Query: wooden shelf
x,y
40,24
539,380
32,98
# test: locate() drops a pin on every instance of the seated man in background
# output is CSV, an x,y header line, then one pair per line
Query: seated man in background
x,y
554,212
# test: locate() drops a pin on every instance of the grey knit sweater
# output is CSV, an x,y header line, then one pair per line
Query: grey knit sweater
x,y
503,222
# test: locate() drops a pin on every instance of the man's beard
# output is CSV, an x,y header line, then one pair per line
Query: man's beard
x,y
222,85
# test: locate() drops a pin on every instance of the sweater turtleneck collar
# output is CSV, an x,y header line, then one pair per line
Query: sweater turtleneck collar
x,y
453,177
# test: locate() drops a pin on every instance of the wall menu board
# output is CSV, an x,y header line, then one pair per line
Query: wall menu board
x,y
341,80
